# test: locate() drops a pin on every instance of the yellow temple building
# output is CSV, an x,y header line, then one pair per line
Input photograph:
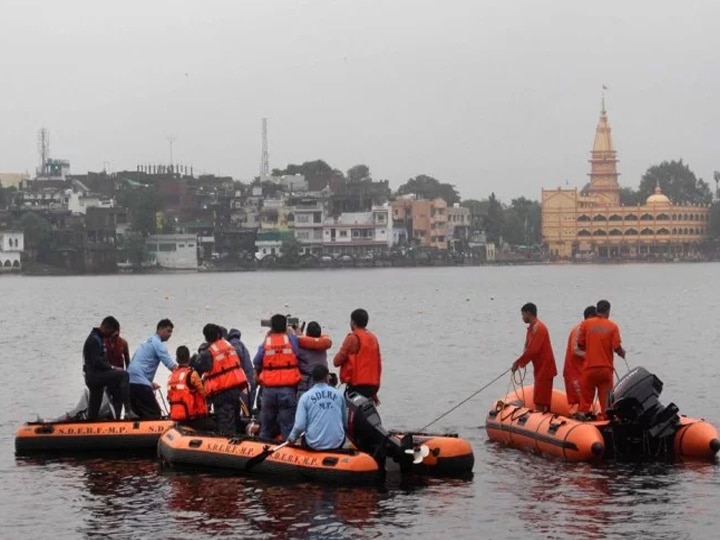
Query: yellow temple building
x,y
596,224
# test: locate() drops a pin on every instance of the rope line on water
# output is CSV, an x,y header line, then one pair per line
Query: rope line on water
x,y
443,415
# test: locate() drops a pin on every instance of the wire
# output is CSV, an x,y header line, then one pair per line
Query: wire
x,y
443,415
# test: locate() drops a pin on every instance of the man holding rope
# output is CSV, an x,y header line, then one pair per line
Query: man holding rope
x,y
538,350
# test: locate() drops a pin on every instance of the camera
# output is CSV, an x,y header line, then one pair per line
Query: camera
x,y
291,321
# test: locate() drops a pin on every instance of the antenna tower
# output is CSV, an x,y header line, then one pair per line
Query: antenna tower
x,y
265,158
43,150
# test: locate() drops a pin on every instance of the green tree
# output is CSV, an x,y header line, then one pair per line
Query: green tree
x,y
714,228
427,187
522,222
136,250
677,182
143,204
495,221
317,173
6,196
630,197
290,250
36,232
478,213
358,173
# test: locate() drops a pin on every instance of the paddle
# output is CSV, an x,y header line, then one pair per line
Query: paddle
x,y
266,453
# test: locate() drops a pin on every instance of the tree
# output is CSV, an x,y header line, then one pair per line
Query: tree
x,y
358,173
478,213
495,219
630,197
36,232
427,187
522,222
143,204
317,173
677,182
6,196
290,250
136,250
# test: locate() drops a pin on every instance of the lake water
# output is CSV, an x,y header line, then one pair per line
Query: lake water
x,y
444,333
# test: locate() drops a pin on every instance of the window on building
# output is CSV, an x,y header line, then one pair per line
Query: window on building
x,y
631,232
646,232
663,230
646,217
615,232
663,217
599,232
167,247
343,234
191,245
615,217
583,218
631,217
599,217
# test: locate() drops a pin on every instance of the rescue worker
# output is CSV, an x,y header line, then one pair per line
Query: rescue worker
x,y
574,360
100,374
538,350
599,337
186,393
359,358
117,350
312,351
276,370
224,379
321,414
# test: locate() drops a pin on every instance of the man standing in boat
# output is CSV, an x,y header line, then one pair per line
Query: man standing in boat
x,y
143,367
574,362
538,350
359,358
99,373
599,337
321,414
312,351
277,371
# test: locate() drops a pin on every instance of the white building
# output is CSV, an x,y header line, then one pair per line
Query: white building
x,y
358,233
78,203
12,244
173,251
309,217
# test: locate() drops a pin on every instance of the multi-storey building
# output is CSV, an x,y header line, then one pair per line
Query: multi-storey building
x,y
597,224
358,233
12,244
425,221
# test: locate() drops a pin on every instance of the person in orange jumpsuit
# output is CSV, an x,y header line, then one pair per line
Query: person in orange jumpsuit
x,y
574,361
538,350
599,337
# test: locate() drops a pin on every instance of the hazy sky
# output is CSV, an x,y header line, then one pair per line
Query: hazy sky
x,y
497,95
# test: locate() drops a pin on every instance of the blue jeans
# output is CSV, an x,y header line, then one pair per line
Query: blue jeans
x,y
277,413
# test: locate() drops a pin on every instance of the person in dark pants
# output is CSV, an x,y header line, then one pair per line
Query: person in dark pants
x,y
143,367
277,371
99,373
224,379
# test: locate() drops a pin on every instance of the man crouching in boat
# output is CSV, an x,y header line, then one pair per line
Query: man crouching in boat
x,y
100,374
538,350
321,414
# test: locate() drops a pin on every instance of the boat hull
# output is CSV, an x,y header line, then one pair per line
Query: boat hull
x,y
185,447
89,436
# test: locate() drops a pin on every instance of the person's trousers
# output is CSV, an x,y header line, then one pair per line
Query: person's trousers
x,y
226,405
277,414
116,380
143,402
600,379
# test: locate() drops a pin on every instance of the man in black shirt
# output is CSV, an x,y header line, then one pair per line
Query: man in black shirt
x,y
99,373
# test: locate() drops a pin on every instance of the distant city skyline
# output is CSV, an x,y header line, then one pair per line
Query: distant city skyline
x,y
489,96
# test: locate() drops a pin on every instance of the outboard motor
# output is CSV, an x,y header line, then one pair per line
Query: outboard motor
x,y
634,400
366,431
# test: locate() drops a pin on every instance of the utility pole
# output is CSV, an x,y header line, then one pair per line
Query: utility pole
x,y
171,140
265,157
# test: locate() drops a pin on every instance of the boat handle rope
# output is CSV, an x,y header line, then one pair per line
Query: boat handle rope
x,y
443,415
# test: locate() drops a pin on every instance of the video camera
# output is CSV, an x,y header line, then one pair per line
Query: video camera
x,y
293,322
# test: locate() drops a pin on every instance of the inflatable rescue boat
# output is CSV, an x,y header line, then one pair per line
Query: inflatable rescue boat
x,y
637,428
79,436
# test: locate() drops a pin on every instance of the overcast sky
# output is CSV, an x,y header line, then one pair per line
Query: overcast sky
x,y
499,95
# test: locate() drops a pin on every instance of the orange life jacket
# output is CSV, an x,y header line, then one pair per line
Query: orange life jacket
x,y
322,343
226,372
363,367
185,402
279,365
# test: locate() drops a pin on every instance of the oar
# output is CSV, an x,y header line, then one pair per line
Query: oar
x,y
266,453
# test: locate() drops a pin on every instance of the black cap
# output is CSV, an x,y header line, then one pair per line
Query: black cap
x,y
320,373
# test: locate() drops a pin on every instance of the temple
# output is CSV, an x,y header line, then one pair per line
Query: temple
x,y
593,223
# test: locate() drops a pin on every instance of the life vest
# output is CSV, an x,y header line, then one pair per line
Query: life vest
x,y
280,365
185,402
363,367
226,372
322,343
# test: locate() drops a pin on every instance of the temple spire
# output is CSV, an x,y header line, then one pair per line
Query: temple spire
x,y
603,162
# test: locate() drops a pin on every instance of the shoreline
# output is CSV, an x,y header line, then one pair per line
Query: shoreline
x,y
60,272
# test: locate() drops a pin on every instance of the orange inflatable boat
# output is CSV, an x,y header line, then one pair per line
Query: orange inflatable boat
x,y
89,436
180,446
638,427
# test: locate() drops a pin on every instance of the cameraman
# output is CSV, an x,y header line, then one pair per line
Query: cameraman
x,y
277,371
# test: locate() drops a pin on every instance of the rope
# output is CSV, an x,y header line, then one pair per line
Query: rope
x,y
167,412
443,415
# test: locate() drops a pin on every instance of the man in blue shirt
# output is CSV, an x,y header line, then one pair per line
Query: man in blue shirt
x,y
321,414
143,367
